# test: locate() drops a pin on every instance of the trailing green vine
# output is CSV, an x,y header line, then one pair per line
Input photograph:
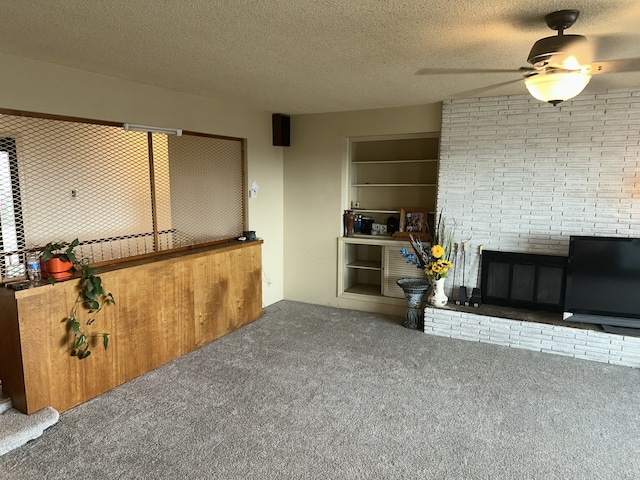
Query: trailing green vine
x,y
91,295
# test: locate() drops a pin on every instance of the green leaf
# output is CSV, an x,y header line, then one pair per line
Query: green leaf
x,y
85,354
51,280
89,298
105,340
71,319
75,326
94,304
110,299
74,244
97,285
80,340
47,255
88,272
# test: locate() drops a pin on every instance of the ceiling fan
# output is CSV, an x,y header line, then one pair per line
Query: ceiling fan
x,y
561,65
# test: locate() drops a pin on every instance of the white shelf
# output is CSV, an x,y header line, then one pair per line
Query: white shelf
x,y
365,265
393,185
384,174
373,210
365,289
381,240
364,162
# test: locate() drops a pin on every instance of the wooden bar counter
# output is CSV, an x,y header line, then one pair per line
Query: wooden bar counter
x,y
166,306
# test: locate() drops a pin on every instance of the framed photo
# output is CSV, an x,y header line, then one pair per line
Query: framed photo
x,y
413,220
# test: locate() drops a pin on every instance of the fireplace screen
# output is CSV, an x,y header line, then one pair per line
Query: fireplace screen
x,y
523,280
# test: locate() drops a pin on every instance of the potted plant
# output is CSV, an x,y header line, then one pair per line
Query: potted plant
x,y
91,293
58,260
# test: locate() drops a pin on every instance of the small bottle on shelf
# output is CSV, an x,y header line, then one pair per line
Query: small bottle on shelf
x,y
33,267
349,223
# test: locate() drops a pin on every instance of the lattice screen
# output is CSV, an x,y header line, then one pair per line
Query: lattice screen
x,y
61,180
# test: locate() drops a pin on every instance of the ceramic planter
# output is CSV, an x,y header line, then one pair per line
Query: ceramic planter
x,y
56,268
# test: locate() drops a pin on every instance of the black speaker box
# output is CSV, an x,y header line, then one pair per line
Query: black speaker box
x,y
281,130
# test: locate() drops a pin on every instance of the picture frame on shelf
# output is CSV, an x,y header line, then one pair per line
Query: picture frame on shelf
x,y
413,220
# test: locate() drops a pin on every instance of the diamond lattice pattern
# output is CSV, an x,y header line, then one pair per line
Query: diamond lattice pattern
x,y
61,180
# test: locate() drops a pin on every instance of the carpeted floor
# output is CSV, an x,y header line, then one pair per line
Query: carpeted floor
x,y
309,392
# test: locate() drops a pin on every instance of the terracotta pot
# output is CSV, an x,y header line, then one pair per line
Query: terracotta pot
x,y
56,268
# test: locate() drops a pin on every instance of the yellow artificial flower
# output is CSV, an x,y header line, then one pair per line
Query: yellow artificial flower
x,y
437,251
438,269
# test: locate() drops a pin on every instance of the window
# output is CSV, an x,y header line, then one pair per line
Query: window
x,y
11,228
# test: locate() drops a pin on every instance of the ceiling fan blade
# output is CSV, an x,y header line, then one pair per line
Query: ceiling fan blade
x,y
448,71
614,66
477,91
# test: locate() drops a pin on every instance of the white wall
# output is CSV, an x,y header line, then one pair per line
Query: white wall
x,y
520,175
314,187
35,86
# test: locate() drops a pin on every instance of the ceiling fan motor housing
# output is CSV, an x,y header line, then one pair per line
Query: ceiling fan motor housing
x,y
554,51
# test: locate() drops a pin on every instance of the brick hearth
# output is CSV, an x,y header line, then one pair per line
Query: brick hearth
x,y
542,332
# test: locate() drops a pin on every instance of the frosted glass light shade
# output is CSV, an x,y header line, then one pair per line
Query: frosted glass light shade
x,y
556,87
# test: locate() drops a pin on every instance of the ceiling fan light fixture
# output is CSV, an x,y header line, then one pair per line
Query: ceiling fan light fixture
x,y
556,87
556,50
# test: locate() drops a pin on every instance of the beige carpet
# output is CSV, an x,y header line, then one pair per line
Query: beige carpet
x,y
310,392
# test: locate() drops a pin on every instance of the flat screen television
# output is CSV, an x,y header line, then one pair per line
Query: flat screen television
x,y
603,281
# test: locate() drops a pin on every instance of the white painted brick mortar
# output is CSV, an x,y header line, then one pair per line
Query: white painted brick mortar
x,y
570,143
554,339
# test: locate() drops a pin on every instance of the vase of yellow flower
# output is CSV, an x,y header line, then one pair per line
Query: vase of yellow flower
x,y
434,260
436,296
436,269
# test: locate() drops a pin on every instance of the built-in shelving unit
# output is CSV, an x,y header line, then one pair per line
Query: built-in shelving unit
x,y
389,173
385,174
371,265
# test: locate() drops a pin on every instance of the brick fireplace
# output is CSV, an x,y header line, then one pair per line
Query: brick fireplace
x,y
518,175
522,303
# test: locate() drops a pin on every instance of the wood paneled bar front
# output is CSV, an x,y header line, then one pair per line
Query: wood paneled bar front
x,y
166,306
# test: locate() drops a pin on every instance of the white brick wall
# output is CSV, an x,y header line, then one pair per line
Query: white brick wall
x,y
520,175
559,340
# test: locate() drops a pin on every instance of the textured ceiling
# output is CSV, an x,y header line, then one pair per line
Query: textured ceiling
x,y
310,56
